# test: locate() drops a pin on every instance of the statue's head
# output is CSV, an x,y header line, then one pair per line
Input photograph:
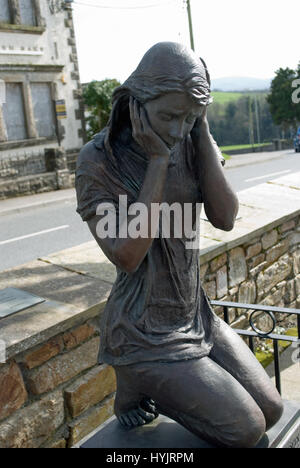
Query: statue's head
x,y
168,73
168,67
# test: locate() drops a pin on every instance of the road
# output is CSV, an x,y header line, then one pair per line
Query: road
x,y
253,174
40,231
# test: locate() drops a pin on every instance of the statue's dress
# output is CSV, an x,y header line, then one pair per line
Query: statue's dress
x,y
159,312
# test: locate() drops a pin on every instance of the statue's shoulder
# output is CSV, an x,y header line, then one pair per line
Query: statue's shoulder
x,y
93,151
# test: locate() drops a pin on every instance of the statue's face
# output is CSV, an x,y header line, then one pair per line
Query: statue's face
x,y
172,116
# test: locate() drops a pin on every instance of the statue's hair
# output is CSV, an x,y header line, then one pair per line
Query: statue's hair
x,y
145,87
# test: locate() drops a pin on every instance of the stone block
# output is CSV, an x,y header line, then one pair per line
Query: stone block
x,y
210,289
253,250
294,238
241,321
274,274
247,292
76,336
31,426
13,393
90,389
203,270
237,266
277,251
254,261
269,239
290,292
59,444
89,421
297,285
64,179
63,367
296,262
222,282
255,271
274,299
43,353
218,262
289,225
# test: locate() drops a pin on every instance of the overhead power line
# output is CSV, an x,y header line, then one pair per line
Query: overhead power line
x,y
136,7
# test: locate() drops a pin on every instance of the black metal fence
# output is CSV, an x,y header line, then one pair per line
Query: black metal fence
x,y
257,333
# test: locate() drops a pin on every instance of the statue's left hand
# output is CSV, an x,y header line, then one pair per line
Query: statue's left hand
x,y
200,126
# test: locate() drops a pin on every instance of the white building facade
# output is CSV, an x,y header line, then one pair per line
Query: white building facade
x,y
40,92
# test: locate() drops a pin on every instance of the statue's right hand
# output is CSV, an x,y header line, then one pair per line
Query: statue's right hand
x,y
143,133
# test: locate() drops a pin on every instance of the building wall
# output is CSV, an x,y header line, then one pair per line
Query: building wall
x,y
31,56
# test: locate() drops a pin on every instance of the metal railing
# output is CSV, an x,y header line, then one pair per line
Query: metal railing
x,y
257,333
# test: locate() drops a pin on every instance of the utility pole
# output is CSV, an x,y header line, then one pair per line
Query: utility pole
x,y
257,119
251,131
188,7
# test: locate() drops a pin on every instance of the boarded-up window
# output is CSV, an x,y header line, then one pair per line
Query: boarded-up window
x,y
43,109
27,12
13,112
4,12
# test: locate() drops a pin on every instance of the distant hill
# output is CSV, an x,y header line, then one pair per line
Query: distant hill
x,y
242,83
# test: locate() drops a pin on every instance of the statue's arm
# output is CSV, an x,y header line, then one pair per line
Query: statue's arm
x,y
129,253
220,202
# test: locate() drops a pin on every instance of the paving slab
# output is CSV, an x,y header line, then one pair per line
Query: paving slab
x,y
281,199
70,299
290,180
86,259
56,283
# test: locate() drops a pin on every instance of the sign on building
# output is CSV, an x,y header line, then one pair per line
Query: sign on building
x,y
61,110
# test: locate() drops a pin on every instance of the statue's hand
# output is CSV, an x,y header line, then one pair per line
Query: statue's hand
x,y
200,126
143,133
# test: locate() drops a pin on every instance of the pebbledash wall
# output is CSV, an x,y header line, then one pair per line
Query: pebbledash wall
x,y
38,69
52,391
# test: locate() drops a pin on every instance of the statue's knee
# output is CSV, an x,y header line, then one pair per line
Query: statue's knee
x,y
274,411
247,433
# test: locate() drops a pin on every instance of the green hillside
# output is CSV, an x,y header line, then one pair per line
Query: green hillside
x,y
224,97
235,118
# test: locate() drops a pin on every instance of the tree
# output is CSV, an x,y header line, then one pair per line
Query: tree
x,y
236,123
284,111
97,97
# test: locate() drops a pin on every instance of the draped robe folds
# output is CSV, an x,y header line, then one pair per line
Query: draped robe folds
x,y
159,312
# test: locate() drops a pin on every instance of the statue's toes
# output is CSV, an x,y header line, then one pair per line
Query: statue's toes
x,y
148,405
131,419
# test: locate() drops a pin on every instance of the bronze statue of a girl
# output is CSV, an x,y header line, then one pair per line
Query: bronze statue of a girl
x,y
171,353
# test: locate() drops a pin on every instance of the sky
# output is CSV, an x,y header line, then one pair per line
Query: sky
x,y
250,38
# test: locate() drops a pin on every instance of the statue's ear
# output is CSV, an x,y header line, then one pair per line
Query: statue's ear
x,y
206,71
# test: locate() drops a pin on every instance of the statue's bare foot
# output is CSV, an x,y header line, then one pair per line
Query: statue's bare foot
x,y
144,413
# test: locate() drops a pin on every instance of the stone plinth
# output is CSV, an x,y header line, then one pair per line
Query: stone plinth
x,y
165,433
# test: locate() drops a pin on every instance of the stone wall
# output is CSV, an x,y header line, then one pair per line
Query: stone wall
x,y
54,394
264,270
28,174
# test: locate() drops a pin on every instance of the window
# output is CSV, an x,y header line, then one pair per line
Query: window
x,y
28,112
27,12
24,13
4,12
13,112
43,109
